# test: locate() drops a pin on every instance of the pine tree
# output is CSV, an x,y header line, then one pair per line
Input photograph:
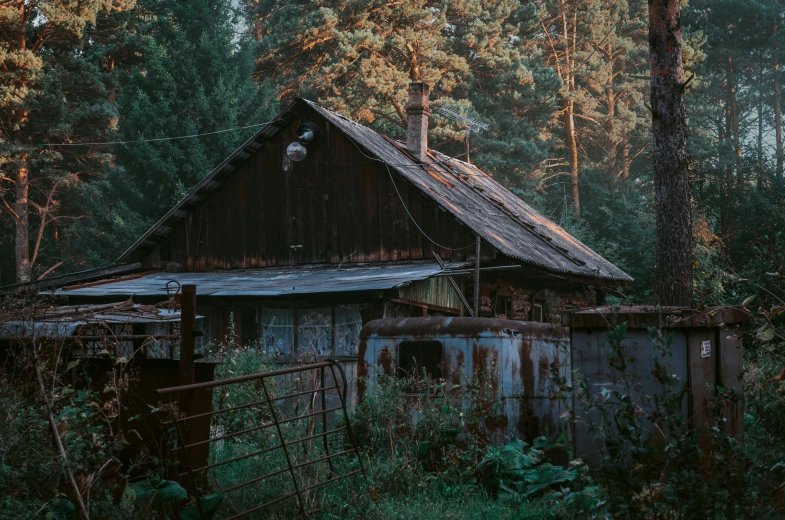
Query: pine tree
x,y
599,48
358,57
54,91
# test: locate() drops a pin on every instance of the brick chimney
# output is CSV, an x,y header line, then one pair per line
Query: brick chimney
x,y
417,113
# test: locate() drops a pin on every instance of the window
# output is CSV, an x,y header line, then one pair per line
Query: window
x,y
314,331
278,331
501,305
311,330
416,356
348,323
537,312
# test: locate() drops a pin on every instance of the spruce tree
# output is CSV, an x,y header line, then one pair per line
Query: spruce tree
x,y
194,77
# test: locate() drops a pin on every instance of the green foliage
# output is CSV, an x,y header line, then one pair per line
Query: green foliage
x,y
61,509
515,469
54,89
358,58
653,463
194,76
205,510
157,493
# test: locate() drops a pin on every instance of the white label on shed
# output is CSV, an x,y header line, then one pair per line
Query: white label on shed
x,y
706,348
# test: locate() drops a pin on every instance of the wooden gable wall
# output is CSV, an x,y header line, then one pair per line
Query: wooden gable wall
x,y
335,206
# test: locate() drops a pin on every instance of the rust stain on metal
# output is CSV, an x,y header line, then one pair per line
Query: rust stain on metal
x,y
496,422
526,367
482,370
459,327
362,368
512,365
386,360
544,369
456,373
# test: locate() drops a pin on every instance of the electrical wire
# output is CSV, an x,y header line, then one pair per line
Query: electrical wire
x,y
432,163
432,241
386,164
155,139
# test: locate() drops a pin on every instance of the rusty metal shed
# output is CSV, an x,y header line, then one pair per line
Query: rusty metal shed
x,y
705,351
516,360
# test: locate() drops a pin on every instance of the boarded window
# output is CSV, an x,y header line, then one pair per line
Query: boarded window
x,y
414,357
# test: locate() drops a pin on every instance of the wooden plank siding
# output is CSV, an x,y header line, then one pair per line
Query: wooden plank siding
x,y
338,205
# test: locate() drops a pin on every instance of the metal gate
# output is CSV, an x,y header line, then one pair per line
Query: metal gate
x,y
201,438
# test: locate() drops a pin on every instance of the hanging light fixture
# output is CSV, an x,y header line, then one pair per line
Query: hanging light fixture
x,y
306,136
296,152
307,133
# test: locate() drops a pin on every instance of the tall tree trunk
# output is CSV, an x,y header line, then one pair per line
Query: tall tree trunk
x,y
760,125
671,177
610,98
625,157
257,21
21,207
760,116
733,109
572,151
569,111
778,112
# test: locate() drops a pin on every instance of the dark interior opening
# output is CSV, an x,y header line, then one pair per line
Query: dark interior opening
x,y
249,327
416,356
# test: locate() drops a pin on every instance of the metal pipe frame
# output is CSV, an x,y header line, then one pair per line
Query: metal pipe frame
x,y
291,467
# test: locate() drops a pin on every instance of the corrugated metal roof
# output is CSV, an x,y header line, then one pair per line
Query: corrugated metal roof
x,y
268,282
474,198
61,321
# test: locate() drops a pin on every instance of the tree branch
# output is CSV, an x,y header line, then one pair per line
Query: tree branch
x,y
10,209
45,273
44,213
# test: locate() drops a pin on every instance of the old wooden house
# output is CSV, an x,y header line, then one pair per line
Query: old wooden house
x,y
318,224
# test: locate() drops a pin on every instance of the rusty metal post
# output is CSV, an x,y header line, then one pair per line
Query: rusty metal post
x,y
477,277
342,395
187,333
324,421
454,285
284,447
186,365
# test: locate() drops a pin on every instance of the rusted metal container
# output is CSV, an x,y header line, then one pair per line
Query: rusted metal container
x,y
706,350
517,361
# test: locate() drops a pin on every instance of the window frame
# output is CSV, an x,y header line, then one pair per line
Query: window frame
x,y
439,366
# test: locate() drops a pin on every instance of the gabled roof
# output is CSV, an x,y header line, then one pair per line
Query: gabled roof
x,y
503,220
